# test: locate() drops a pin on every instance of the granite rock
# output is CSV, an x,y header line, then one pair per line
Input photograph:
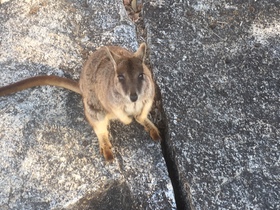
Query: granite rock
x,y
49,154
217,65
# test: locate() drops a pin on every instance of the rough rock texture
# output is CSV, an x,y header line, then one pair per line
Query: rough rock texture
x,y
217,64
49,155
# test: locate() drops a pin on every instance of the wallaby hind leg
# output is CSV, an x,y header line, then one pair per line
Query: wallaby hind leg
x,y
101,130
105,145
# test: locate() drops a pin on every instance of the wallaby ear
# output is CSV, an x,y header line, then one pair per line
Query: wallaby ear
x,y
113,57
141,52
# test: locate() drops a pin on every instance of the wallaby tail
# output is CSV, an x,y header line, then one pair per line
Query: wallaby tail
x,y
39,81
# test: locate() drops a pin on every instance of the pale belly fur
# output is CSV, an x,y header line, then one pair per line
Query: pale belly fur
x,y
133,108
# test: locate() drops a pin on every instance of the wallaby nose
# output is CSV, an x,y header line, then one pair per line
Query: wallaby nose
x,y
133,97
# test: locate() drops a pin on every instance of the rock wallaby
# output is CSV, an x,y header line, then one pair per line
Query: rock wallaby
x,y
115,84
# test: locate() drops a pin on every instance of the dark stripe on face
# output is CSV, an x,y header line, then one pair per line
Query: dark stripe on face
x,y
130,69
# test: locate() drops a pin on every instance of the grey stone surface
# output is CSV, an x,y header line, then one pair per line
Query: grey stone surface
x,y
49,156
217,64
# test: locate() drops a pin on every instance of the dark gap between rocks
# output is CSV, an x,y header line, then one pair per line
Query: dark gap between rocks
x,y
173,172
159,118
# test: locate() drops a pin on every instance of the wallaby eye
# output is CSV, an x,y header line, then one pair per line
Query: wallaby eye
x,y
121,77
141,76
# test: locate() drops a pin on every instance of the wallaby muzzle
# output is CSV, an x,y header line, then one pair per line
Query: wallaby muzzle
x,y
133,97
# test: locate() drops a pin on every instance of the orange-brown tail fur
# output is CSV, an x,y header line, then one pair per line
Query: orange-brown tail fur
x,y
39,81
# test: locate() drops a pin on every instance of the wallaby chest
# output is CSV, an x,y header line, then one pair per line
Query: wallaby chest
x,y
133,109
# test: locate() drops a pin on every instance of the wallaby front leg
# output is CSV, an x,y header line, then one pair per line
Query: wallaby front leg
x,y
151,129
122,116
148,125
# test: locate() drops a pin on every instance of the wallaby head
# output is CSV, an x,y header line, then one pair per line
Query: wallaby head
x,y
129,73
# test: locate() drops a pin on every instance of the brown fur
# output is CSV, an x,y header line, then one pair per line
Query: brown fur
x,y
39,81
115,84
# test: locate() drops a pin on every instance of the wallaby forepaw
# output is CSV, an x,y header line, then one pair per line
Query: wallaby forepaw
x,y
127,120
154,133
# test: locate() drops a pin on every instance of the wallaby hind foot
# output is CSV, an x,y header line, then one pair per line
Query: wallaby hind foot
x,y
105,147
